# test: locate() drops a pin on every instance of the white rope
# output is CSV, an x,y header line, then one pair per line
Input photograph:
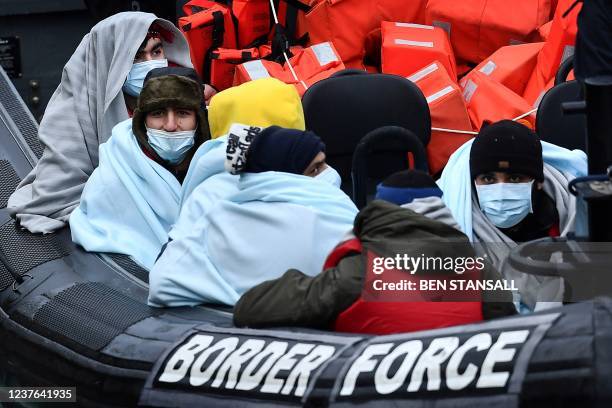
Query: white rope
x,y
275,16
525,114
463,132
274,11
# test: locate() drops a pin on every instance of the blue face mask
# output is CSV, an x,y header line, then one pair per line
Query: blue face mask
x,y
171,146
505,204
135,79
330,175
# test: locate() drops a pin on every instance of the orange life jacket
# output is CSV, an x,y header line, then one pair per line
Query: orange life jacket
x,y
224,62
252,19
447,109
477,28
559,46
310,65
398,317
488,100
207,26
408,47
347,23
544,31
511,66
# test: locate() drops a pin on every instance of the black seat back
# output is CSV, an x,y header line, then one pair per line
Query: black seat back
x,y
381,153
343,109
557,127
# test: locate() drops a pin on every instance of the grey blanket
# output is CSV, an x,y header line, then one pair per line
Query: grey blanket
x,y
433,208
85,107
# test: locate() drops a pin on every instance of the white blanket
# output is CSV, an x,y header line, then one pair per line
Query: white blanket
x,y
85,107
129,203
276,221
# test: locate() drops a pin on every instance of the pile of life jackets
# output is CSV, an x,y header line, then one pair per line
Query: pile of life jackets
x,y
231,45
481,62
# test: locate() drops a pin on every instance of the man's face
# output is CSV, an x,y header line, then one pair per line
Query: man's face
x,y
495,177
152,50
316,166
171,119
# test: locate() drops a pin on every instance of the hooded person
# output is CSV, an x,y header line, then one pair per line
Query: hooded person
x,y
93,96
334,298
417,191
281,216
506,186
132,199
262,103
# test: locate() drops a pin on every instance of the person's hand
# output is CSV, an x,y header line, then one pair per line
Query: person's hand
x,y
209,92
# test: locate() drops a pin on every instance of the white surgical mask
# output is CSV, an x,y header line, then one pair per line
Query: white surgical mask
x,y
330,175
505,204
135,79
171,146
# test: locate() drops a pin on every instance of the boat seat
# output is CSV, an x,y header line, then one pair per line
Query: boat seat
x,y
91,314
344,108
130,266
22,251
555,126
383,143
9,180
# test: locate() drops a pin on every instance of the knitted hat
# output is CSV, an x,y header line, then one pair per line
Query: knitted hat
x,y
404,186
507,146
286,150
177,87
254,150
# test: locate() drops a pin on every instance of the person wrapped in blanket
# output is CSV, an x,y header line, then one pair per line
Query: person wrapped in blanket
x,y
99,87
262,103
132,199
288,212
506,186
337,297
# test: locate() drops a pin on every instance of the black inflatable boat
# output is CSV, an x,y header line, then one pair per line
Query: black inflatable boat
x,y
71,318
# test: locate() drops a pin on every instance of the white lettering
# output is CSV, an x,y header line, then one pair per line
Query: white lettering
x,y
301,372
431,359
179,363
498,354
386,385
456,381
363,364
272,384
232,365
250,380
199,377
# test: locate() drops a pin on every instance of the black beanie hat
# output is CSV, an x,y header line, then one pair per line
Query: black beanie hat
x,y
286,150
509,147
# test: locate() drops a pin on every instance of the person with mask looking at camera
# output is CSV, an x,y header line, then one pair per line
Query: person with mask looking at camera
x,y
98,89
132,199
287,212
506,187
